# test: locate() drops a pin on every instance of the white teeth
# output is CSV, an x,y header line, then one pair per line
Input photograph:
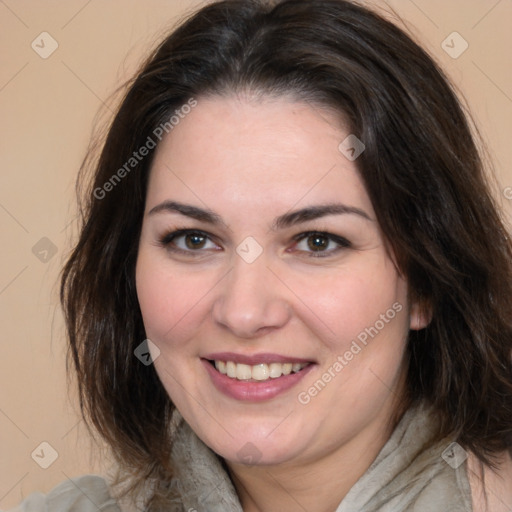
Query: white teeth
x,y
243,372
287,368
259,371
275,370
221,366
231,369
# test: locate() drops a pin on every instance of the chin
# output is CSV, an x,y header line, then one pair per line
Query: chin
x,y
258,448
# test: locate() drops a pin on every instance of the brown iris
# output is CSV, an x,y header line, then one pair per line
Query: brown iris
x,y
195,241
317,242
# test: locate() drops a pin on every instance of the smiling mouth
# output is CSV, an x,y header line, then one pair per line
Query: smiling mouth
x,y
258,372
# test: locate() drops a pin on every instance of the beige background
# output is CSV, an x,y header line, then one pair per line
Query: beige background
x,y
47,111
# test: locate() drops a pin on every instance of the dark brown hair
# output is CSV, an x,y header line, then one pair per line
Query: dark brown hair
x,y
422,171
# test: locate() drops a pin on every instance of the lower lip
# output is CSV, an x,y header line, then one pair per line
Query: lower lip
x,y
254,391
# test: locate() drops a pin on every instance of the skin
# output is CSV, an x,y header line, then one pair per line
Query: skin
x,y
251,161
492,491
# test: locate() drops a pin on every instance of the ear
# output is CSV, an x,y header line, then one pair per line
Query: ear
x,y
420,315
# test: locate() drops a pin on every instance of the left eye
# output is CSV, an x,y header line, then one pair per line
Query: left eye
x,y
320,243
189,241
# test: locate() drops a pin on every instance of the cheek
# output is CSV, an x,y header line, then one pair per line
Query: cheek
x,y
368,320
174,303
155,297
347,304
164,297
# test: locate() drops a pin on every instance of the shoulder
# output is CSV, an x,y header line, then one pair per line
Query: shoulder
x,y
88,493
491,491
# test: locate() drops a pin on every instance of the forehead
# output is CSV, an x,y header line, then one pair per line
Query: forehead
x,y
273,152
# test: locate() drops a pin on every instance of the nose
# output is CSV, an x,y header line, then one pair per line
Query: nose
x,y
252,300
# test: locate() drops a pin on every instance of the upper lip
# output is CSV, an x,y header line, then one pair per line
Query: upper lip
x,y
254,359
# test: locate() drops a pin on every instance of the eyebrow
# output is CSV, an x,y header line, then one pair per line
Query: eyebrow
x,y
315,212
188,210
284,221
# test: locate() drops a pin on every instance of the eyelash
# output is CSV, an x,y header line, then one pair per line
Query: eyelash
x,y
167,239
343,243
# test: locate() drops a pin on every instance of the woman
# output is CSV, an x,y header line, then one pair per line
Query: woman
x,y
292,288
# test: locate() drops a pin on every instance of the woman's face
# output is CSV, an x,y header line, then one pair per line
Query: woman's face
x,y
261,253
